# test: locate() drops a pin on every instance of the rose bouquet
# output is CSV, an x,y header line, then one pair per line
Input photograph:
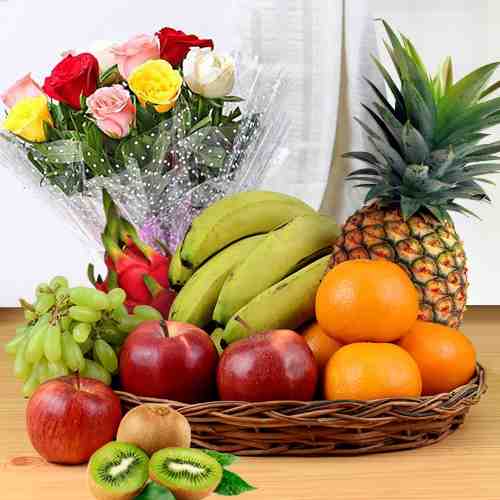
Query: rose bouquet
x,y
164,123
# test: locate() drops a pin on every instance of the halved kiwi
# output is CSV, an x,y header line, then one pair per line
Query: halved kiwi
x,y
189,474
117,471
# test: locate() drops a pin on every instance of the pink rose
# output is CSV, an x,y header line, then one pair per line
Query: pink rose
x,y
25,87
135,52
113,110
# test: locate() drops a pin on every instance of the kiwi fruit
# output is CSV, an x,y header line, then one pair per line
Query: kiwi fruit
x,y
189,474
117,471
153,427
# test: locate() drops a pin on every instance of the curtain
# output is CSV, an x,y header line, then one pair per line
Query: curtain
x,y
325,48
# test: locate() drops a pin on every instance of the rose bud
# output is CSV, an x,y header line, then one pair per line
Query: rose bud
x,y
113,110
24,87
134,53
175,44
208,73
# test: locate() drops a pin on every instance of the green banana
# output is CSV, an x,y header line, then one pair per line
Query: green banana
x,y
287,304
281,253
235,217
196,301
178,274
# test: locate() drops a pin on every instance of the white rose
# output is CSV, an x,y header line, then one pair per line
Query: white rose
x,y
208,73
101,50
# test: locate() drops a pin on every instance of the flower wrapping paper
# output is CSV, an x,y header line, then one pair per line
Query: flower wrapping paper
x,y
168,177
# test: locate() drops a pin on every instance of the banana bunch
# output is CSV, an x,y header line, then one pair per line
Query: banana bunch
x,y
249,263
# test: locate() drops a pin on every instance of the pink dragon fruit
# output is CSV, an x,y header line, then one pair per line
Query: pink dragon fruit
x,y
133,265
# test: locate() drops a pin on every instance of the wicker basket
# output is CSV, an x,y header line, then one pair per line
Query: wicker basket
x,y
325,427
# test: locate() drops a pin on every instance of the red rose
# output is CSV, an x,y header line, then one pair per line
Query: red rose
x,y
174,45
72,77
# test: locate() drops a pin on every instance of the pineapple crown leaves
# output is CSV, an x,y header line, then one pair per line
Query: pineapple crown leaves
x,y
428,144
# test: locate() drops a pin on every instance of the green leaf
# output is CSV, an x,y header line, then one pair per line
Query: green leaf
x,y
232,484
392,157
438,212
400,108
377,191
232,98
364,171
154,491
110,76
455,207
409,206
462,119
389,136
362,156
492,88
225,459
381,97
415,147
418,111
465,92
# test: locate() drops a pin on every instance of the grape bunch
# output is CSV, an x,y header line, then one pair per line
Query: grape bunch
x,y
69,330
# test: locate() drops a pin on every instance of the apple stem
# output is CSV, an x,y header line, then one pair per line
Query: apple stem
x,y
78,380
163,325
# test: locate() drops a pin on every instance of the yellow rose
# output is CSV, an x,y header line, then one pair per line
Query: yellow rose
x,y
157,83
26,118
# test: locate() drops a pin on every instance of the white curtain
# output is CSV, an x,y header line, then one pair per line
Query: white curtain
x,y
325,47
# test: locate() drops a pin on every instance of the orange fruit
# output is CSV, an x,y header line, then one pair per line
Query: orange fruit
x,y
446,357
322,345
367,370
366,300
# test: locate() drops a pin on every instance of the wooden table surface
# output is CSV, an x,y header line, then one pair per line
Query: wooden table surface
x,y
466,465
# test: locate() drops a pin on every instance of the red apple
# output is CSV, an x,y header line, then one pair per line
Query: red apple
x,y
69,418
276,365
170,360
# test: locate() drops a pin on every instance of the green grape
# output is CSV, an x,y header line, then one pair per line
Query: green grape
x,y
13,345
87,345
42,370
57,369
119,312
31,384
112,335
147,313
81,332
104,354
52,345
89,298
96,371
65,322
42,288
84,314
45,302
58,282
22,368
116,297
129,323
62,294
35,347
72,354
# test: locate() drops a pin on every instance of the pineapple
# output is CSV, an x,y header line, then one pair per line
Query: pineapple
x,y
430,152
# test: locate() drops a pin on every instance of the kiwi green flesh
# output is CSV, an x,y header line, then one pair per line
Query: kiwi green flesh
x,y
119,467
186,469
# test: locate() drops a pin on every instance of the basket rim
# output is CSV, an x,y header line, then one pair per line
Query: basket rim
x,y
474,389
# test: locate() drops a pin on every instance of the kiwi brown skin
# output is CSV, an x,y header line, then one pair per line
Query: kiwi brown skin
x,y
183,493
153,427
103,493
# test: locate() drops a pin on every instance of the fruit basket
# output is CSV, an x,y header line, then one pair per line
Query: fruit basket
x,y
343,427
